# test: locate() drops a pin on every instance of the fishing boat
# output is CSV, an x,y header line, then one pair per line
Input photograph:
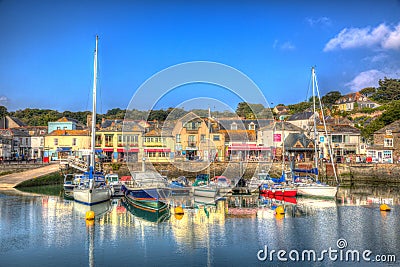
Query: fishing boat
x,y
147,190
115,184
92,188
70,182
258,180
203,188
309,185
180,186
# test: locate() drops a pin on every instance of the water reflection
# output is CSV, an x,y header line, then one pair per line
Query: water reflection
x,y
236,226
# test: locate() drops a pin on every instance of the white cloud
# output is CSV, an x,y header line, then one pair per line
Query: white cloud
x,y
381,36
286,46
322,21
3,100
369,78
393,40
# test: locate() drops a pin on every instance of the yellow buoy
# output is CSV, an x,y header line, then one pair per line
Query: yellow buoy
x,y
280,210
179,210
178,216
89,215
279,216
384,207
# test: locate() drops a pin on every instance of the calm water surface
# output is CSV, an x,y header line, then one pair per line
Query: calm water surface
x,y
48,230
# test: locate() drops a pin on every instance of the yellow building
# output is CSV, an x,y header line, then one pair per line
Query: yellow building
x,y
196,140
158,145
117,141
60,144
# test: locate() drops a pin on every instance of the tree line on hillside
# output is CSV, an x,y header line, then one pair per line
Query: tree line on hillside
x,y
387,94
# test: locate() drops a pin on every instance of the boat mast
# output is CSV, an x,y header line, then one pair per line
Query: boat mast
x,y
93,129
315,122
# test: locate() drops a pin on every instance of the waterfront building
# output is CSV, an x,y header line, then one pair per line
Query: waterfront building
x,y
191,138
117,140
158,145
241,139
353,101
37,135
64,123
6,142
345,140
61,144
272,136
386,147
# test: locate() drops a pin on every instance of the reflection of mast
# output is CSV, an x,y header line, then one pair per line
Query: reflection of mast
x,y
90,230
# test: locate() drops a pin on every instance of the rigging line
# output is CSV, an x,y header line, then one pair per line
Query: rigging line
x,y
326,131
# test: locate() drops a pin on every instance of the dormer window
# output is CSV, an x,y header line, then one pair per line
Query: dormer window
x,y
234,126
252,126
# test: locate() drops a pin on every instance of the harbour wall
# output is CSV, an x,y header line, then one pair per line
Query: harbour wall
x,y
348,173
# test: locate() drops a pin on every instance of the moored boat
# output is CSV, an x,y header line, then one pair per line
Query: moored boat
x,y
115,184
92,189
148,190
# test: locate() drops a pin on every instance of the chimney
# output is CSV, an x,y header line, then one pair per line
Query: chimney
x,y
89,120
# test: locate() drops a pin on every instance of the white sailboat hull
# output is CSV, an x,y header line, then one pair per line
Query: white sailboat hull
x,y
205,191
93,196
317,191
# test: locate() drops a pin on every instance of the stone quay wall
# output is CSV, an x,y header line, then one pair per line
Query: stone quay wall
x,y
348,173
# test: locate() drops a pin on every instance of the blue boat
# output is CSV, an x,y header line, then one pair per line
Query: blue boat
x,y
147,190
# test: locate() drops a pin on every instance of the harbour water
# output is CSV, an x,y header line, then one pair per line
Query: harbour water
x,y
48,230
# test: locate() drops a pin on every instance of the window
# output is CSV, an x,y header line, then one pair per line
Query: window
x,y
178,138
202,137
58,128
388,142
252,126
74,141
215,137
337,138
234,126
56,141
108,140
98,140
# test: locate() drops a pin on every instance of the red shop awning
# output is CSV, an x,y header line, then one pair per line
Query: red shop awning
x,y
119,150
157,150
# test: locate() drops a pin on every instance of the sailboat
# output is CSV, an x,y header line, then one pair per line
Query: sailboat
x,y
314,188
93,188
278,186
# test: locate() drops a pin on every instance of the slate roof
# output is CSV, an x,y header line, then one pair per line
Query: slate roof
x,y
301,116
394,127
278,127
293,138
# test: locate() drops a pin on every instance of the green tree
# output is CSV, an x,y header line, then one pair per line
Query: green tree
x,y
391,114
3,111
388,90
368,91
244,110
330,98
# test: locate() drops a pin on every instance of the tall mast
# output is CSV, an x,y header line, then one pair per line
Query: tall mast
x,y
93,130
315,121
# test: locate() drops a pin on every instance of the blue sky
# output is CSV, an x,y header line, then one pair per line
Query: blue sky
x,y
46,48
